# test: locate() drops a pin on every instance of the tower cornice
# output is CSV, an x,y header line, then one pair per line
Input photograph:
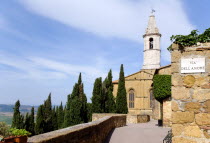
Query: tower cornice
x,y
152,49
151,34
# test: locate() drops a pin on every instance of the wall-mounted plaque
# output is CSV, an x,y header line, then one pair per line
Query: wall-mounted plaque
x,y
192,65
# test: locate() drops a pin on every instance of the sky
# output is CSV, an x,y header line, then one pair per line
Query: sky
x,y
44,45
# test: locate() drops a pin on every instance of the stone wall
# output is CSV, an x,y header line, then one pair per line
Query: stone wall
x,y
93,132
190,97
130,119
96,116
167,112
155,109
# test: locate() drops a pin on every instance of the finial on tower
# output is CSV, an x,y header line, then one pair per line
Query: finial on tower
x,y
152,12
151,27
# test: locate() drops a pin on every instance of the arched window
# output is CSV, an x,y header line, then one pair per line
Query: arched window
x,y
150,43
131,98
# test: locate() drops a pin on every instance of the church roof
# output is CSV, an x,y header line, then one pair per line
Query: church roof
x,y
165,66
145,71
141,71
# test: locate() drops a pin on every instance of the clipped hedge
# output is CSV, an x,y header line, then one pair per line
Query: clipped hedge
x,y
162,87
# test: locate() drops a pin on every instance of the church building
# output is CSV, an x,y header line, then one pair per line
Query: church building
x,y
139,85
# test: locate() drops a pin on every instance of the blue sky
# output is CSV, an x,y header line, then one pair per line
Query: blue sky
x,y
45,44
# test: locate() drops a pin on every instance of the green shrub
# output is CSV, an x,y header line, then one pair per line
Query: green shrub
x,y
162,87
189,40
19,132
4,129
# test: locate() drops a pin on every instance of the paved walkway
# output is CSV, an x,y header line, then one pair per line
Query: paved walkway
x,y
138,133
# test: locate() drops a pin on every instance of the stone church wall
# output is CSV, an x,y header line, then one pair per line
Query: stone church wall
x,y
141,83
190,97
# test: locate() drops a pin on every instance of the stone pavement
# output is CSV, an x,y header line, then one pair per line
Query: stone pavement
x,y
138,133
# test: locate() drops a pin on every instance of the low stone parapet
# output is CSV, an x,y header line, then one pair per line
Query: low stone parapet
x,y
96,116
130,119
143,118
92,132
134,119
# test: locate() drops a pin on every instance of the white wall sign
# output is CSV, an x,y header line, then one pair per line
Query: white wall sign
x,y
192,65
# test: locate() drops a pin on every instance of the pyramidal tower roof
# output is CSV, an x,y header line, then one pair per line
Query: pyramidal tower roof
x,y
152,27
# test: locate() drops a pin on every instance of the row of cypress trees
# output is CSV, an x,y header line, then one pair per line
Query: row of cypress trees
x,y
49,118
103,100
23,122
76,110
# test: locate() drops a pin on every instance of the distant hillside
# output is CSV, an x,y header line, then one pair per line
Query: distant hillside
x,y
23,108
6,112
7,118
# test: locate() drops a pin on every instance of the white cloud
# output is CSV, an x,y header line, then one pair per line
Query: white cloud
x,y
47,71
116,18
89,72
37,68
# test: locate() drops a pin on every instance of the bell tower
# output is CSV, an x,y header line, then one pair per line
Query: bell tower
x,y
151,45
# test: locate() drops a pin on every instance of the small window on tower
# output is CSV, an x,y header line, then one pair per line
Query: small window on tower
x,y
150,43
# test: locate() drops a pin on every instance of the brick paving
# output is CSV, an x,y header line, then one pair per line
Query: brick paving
x,y
138,133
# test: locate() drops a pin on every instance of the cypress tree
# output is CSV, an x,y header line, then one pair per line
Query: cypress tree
x,y
60,114
54,119
110,106
80,79
69,111
17,121
110,103
121,100
56,111
97,96
32,124
75,111
109,81
21,125
65,117
89,109
66,122
39,126
27,122
48,126
75,92
83,100
104,95
76,107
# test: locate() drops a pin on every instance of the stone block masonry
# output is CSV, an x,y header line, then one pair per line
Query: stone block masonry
x,y
130,119
167,113
93,132
190,104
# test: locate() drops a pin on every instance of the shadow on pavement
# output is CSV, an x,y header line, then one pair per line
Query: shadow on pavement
x,y
109,136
